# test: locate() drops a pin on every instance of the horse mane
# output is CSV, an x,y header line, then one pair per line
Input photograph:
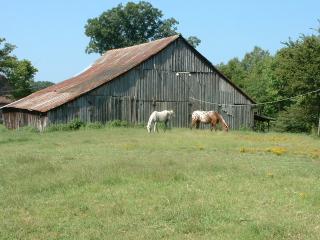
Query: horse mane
x,y
223,122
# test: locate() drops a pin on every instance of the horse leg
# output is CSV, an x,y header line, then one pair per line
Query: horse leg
x,y
197,124
165,125
155,127
192,124
211,127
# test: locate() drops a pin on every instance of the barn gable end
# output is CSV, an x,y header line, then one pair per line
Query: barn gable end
x,y
176,77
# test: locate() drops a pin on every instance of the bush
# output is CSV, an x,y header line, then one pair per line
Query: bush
x,y
261,126
294,119
94,125
118,123
75,124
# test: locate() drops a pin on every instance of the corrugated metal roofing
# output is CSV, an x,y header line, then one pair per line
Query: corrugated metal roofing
x,y
109,66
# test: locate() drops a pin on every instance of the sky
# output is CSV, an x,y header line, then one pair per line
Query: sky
x,y
51,33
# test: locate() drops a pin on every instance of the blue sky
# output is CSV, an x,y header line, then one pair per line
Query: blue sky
x,y
51,33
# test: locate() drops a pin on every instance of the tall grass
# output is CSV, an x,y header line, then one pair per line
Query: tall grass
x,y
123,183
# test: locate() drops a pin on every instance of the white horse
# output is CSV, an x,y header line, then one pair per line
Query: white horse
x,y
156,117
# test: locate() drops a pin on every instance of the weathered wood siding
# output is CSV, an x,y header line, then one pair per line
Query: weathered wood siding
x,y
155,85
15,119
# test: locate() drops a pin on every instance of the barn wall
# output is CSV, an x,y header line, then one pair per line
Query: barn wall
x,y
155,85
1,117
14,119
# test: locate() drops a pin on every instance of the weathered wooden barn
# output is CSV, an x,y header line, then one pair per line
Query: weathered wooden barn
x,y
5,97
4,100
129,83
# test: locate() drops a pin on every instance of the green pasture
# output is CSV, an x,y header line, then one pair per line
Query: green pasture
x,y
122,183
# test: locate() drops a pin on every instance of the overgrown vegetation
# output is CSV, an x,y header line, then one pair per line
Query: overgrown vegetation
x,y
292,71
77,124
123,183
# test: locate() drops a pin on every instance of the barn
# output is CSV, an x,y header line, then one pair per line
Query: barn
x,y
5,97
129,83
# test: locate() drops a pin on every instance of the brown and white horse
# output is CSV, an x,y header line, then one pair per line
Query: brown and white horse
x,y
209,117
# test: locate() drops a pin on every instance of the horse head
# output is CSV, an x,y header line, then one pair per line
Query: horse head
x,y
224,124
225,127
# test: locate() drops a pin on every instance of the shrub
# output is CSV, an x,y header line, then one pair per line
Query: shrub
x,y
75,124
261,126
244,128
94,125
294,119
118,123
57,127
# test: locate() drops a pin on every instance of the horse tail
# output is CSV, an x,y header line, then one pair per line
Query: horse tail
x,y
226,127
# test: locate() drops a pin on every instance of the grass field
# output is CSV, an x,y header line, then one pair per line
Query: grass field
x,y
121,183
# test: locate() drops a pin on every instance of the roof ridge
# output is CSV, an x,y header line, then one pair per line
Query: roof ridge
x,y
140,44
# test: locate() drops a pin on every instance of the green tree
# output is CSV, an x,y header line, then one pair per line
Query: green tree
x,y
21,77
294,118
128,25
234,70
20,73
194,41
297,71
38,85
254,74
294,70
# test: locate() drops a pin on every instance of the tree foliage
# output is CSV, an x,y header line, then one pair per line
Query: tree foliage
x,y
294,118
193,41
254,74
128,25
297,71
20,73
38,85
293,70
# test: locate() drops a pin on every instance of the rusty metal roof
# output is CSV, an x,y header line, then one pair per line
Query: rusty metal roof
x,y
109,66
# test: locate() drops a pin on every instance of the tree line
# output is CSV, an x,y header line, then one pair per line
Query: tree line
x,y
294,70
19,73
